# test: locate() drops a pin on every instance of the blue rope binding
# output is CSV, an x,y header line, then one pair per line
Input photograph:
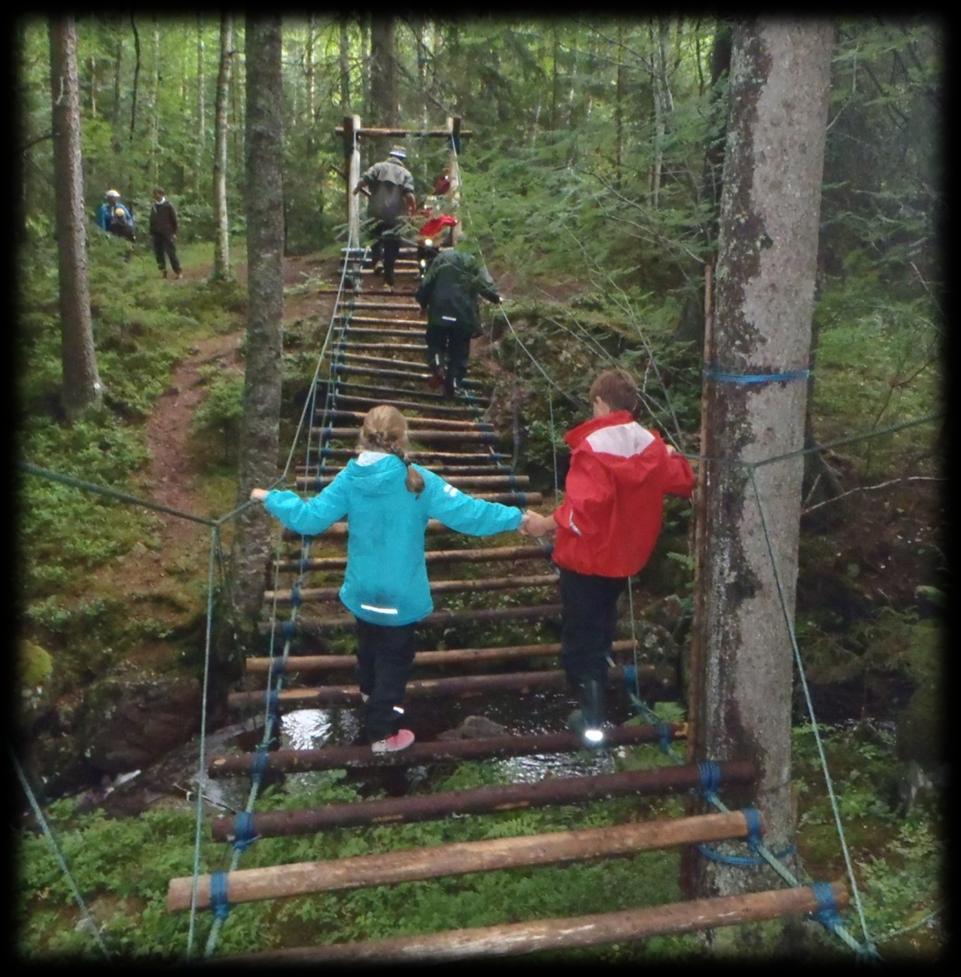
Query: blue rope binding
x,y
751,378
244,835
218,895
827,912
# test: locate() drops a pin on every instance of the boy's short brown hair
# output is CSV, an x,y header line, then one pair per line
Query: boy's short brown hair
x,y
617,389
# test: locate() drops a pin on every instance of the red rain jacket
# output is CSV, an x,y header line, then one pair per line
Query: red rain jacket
x,y
614,496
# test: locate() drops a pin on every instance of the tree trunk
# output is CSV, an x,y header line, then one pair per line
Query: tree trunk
x,y
155,109
383,71
366,82
742,658
619,91
344,55
221,269
136,79
115,138
81,382
265,309
309,74
201,127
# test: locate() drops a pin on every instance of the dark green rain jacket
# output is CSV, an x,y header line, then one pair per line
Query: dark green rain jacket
x,y
451,287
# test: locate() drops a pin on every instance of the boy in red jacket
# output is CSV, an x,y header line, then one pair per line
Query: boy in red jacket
x,y
606,530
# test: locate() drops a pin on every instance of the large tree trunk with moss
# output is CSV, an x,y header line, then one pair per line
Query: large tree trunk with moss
x,y
81,381
383,71
265,308
221,269
742,657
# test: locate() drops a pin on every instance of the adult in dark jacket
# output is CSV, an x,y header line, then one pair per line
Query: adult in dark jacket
x,y
448,294
391,190
163,232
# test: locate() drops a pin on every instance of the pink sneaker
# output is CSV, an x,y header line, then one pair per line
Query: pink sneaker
x,y
399,741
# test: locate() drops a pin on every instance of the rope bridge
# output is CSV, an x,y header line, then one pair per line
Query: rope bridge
x,y
301,618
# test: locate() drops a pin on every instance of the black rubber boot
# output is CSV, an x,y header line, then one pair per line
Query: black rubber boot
x,y
588,721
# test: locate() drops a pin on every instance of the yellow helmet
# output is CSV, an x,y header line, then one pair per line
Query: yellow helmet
x,y
119,212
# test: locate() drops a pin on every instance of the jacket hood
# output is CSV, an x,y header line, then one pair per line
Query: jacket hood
x,y
378,478
630,454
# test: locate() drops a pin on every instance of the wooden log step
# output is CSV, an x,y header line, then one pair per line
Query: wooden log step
x,y
349,345
439,751
311,594
340,529
374,331
460,481
398,273
488,554
346,369
520,499
429,455
421,324
406,407
560,933
444,470
484,800
382,306
428,688
310,627
389,868
423,394
352,358
452,656
426,435
435,423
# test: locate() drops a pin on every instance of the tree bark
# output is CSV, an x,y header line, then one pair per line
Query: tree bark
x,y
221,269
383,71
742,656
265,308
81,381
200,132
136,78
155,109
344,55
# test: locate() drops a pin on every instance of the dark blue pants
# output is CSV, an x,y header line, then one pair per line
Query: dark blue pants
x,y
588,623
449,348
384,659
386,242
164,245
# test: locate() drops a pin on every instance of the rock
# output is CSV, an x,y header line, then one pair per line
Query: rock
x,y
475,728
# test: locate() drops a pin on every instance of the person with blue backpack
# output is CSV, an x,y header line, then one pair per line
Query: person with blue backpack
x,y
114,217
387,501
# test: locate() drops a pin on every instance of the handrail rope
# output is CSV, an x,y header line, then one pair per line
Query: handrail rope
x,y
550,410
810,706
52,841
201,769
275,679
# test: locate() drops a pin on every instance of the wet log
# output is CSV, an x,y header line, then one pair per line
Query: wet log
x,y
345,369
309,594
490,554
455,751
340,529
427,435
415,423
420,324
424,395
426,688
595,929
453,656
361,871
317,626
483,800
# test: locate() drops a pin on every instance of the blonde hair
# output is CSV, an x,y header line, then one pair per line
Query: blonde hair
x,y
385,429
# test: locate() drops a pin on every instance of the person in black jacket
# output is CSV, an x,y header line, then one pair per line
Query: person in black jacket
x,y
448,294
163,231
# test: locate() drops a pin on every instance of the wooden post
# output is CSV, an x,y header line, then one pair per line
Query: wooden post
x,y
596,929
352,157
453,164
360,871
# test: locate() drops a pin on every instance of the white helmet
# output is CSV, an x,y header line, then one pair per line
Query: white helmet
x,y
112,193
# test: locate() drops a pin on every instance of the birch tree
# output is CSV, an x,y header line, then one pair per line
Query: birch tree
x,y
742,657
221,269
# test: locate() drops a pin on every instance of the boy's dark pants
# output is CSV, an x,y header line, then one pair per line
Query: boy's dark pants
x,y
164,245
588,624
384,659
449,348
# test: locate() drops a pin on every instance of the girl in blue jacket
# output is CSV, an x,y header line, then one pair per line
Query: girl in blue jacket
x,y
387,502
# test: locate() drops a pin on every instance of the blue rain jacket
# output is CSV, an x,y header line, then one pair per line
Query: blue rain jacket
x,y
386,578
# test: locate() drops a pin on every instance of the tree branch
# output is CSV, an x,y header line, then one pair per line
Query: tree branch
x,y
872,488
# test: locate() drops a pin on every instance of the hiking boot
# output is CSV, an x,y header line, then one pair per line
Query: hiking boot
x,y
436,379
399,741
178,274
588,721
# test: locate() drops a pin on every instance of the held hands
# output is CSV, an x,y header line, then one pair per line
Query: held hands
x,y
534,524
258,495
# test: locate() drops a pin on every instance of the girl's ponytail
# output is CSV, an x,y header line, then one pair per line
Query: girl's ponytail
x,y
414,481
385,429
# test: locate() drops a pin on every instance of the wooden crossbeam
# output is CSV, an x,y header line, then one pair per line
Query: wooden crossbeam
x,y
309,627
429,688
491,553
483,800
310,594
594,929
447,751
362,871
452,656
